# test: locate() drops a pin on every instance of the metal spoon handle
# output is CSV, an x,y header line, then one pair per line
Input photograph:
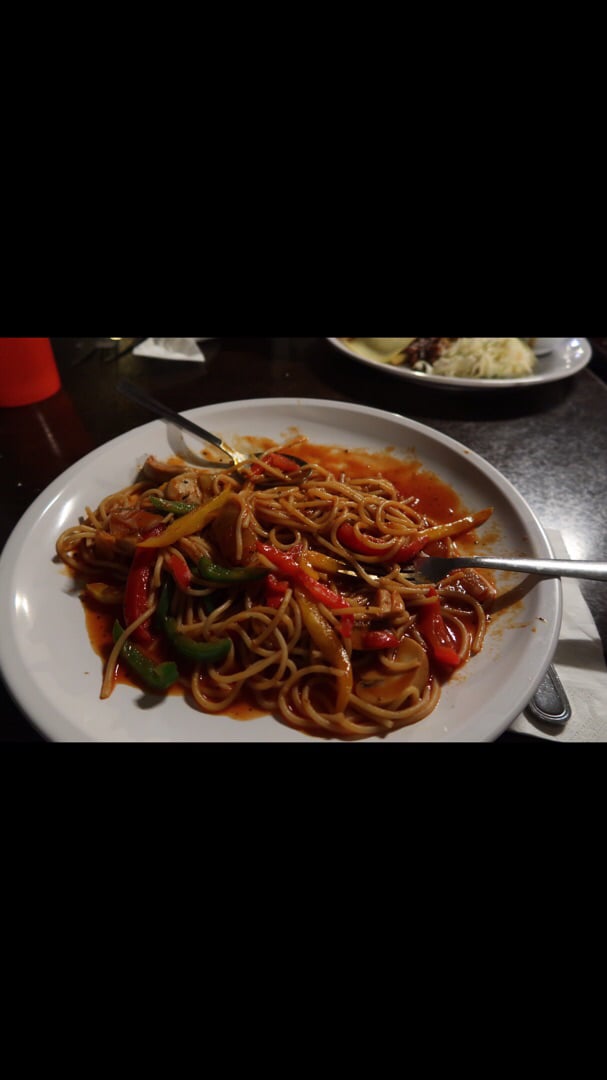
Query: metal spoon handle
x,y
550,704
133,392
596,571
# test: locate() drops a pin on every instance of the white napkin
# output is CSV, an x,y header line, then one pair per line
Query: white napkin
x,y
580,663
172,348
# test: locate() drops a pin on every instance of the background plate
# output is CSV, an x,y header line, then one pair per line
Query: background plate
x,y
559,358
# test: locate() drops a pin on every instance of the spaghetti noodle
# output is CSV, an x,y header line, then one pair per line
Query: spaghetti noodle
x,y
470,358
283,583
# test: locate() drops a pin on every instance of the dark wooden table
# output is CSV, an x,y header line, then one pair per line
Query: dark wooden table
x,y
549,441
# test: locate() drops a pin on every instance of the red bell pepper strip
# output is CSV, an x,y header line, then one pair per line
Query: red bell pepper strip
x,y
365,544
281,461
431,626
288,564
380,639
137,589
277,461
347,535
408,551
275,591
179,571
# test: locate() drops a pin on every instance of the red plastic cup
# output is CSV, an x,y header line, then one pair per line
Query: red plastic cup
x,y
28,371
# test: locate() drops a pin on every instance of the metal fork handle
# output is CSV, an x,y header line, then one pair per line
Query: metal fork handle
x,y
595,571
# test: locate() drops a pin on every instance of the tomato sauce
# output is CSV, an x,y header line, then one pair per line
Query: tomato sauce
x,y
100,619
433,497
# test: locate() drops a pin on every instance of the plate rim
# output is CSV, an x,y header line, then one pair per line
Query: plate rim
x,y
445,382
48,497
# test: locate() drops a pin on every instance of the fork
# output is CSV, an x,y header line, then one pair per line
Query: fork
x,y
433,568
549,704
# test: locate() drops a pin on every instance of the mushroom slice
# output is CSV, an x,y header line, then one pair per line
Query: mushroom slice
x,y
233,532
390,603
390,681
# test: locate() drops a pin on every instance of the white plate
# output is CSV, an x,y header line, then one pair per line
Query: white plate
x,y
55,676
558,358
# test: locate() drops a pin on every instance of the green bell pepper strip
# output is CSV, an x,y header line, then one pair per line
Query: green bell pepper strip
x,y
162,607
156,676
201,652
167,506
211,602
224,575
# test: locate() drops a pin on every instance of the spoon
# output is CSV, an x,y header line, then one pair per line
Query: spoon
x,y
550,704
128,389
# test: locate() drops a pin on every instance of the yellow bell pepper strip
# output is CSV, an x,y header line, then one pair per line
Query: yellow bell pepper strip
x,y
455,528
431,626
327,641
325,563
287,562
188,524
225,575
156,676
